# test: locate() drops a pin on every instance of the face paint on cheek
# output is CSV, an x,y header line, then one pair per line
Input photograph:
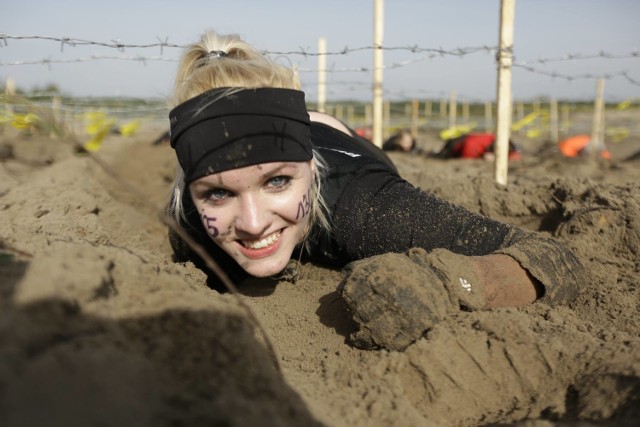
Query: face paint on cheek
x,y
304,206
208,222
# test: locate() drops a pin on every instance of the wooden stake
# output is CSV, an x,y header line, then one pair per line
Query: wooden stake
x,y
415,113
378,63
553,121
453,109
322,74
597,129
504,96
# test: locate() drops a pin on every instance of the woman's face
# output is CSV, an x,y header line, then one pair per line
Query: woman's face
x,y
256,214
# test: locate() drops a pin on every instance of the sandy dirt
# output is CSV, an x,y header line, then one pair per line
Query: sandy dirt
x,y
99,327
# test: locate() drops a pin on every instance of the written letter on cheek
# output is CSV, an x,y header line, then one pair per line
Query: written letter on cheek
x,y
304,206
208,222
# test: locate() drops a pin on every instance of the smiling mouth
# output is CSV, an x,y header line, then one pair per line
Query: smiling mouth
x,y
262,243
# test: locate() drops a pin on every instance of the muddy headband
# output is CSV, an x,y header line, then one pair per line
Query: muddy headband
x,y
230,128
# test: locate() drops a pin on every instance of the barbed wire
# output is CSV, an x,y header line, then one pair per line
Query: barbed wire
x,y
522,65
72,42
606,76
431,53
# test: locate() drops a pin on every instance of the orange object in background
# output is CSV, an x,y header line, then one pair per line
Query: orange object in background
x,y
573,145
576,145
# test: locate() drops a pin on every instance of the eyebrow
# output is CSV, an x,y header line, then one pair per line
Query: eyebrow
x,y
278,169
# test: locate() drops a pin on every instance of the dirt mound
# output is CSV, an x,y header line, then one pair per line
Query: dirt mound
x,y
99,326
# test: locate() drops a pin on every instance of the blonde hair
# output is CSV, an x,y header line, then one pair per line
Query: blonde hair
x,y
242,66
218,61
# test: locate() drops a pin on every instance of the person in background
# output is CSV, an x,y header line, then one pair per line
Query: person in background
x,y
579,145
474,146
400,141
261,180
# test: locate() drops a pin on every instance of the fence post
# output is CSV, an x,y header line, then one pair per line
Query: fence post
x,y
339,112
9,91
503,113
351,115
428,107
56,125
597,129
465,113
453,109
566,124
488,116
386,120
378,17
443,108
322,74
415,113
553,120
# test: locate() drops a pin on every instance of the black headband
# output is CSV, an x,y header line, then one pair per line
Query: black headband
x,y
229,128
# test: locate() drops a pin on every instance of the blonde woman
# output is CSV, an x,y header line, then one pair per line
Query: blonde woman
x,y
261,180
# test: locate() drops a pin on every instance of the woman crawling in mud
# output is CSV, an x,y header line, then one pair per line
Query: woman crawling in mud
x,y
261,181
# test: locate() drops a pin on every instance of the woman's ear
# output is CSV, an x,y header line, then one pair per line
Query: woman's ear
x,y
312,166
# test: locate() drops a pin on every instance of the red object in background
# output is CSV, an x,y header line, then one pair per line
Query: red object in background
x,y
474,145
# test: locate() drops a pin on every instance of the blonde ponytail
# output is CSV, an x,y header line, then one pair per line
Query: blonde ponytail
x,y
227,61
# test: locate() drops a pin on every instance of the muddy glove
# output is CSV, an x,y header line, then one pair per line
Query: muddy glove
x,y
396,298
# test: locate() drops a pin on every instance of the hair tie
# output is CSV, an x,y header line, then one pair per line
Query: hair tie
x,y
217,54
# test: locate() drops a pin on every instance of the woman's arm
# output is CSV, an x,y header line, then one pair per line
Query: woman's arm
x,y
381,213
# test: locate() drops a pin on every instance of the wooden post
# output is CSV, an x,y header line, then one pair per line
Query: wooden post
x,y
9,91
56,122
378,63
503,113
488,116
453,109
465,113
553,121
566,124
597,129
340,112
322,74
351,115
428,106
415,114
386,120
443,108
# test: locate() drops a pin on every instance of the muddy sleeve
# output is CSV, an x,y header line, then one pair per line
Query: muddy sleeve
x,y
384,213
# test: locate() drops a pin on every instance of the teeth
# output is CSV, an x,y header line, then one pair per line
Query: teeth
x,y
258,244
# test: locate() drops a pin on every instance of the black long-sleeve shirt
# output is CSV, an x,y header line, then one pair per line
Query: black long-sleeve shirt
x,y
374,211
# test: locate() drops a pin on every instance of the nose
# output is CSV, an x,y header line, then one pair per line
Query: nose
x,y
254,216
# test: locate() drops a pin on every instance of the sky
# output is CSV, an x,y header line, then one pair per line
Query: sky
x,y
544,29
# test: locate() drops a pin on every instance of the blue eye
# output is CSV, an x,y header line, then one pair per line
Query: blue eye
x,y
278,182
216,194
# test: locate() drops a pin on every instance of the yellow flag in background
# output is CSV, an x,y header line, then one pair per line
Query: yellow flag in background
x,y
129,128
24,121
98,126
456,131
